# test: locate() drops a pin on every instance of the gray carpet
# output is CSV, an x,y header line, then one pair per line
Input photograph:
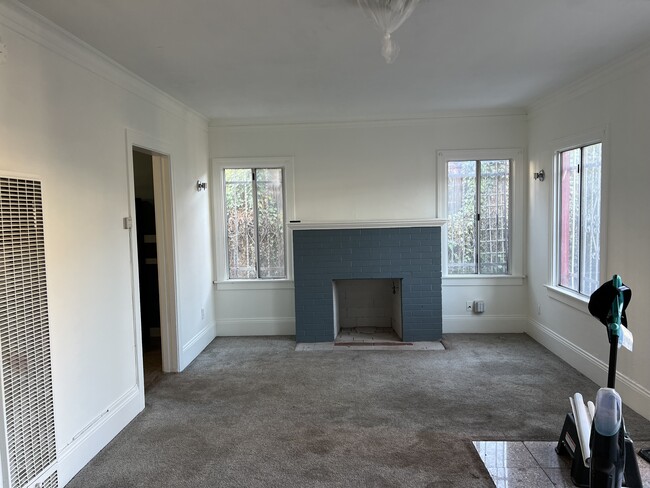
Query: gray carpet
x,y
252,412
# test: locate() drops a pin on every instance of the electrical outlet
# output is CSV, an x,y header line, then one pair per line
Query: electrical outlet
x,y
469,305
539,309
203,314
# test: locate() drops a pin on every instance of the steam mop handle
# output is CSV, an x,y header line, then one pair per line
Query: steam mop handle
x,y
615,330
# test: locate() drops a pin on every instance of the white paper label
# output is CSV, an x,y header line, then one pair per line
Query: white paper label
x,y
627,338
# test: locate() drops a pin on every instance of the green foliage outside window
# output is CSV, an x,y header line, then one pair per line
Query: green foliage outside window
x,y
478,209
254,203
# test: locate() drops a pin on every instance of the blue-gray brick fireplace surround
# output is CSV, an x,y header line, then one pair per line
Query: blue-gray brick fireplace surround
x,y
411,254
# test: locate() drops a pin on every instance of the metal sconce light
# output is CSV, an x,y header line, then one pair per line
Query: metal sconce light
x,y
201,185
540,175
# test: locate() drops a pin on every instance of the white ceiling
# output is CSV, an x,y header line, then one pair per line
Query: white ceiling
x,y
320,59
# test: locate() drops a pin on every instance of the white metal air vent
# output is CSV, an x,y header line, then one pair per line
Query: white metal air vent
x,y
52,481
28,408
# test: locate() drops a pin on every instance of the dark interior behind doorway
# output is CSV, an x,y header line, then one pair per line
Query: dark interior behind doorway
x,y
147,266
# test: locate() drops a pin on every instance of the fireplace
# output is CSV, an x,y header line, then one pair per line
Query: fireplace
x,y
368,304
404,254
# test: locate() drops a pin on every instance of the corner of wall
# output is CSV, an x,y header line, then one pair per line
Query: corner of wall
x,y
635,395
197,344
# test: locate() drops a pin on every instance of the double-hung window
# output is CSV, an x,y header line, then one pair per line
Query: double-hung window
x,y
577,218
253,200
478,213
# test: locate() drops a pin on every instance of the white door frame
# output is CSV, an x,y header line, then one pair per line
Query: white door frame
x,y
162,158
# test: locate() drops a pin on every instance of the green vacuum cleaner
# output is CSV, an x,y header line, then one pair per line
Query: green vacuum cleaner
x,y
594,435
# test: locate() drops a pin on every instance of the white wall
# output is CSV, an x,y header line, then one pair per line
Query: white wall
x,y
368,171
616,99
64,111
365,303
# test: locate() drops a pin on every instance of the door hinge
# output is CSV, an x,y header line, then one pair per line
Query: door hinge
x,y
128,223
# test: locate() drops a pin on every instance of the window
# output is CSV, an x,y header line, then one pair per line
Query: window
x,y
481,196
578,220
253,200
254,208
478,213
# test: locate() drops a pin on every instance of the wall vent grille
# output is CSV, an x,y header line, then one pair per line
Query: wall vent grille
x,y
24,334
52,481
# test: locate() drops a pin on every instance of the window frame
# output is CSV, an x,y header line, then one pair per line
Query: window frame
x,y
560,293
517,214
221,239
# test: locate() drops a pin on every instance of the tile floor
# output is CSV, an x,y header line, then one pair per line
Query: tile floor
x,y
532,464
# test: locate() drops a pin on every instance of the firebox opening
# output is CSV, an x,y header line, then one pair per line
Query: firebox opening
x,y
370,308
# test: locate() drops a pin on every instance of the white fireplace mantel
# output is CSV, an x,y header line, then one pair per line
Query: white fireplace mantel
x,y
365,224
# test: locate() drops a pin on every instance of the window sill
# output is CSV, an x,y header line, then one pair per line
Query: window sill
x,y
572,299
473,280
232,285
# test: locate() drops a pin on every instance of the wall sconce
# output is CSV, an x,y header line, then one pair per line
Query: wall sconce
x,y
201,185
540,175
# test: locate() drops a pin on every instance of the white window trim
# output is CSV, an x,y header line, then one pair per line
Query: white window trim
x,y
217,178
553,289
568,297
517,205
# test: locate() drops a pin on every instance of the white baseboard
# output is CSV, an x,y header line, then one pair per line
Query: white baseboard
x,y
87,443
257,326
634,395
196,344
483,324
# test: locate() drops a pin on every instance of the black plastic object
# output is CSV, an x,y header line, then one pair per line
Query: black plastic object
x,y
600,302
607,465
607,441
569,445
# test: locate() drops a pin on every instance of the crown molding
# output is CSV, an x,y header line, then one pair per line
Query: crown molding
x,y
379,121
606,74
47,34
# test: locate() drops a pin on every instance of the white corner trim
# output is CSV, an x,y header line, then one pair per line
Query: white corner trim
x,y
386,120
483,324
256,326
197,344
619,68
365,224
93,438
634,395
47,34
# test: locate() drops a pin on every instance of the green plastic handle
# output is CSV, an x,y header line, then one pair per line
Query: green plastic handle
x,y
617,307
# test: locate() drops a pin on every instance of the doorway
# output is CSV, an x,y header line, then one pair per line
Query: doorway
x,y
152,251
148,273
